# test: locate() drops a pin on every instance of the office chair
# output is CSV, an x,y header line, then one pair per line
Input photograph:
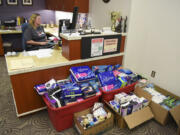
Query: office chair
x,y
23,28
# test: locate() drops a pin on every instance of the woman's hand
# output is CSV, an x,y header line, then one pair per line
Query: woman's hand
x,y
43,43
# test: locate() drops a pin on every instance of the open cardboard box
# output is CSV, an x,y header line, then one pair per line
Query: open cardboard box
x,y
96,129
161,114
134,119
179,129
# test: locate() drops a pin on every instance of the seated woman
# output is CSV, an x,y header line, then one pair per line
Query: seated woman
x,y
34,35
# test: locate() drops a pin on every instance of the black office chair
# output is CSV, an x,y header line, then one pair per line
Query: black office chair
x,y
23,28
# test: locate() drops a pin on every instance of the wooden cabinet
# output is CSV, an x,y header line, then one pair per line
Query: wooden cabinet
x,y
71,49
68,5
54,4
83,5
1,46
123,38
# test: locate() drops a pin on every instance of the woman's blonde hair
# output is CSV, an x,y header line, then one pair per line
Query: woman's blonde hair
x,y
32,19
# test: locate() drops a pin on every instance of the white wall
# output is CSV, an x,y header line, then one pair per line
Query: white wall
x,y
100,12
63,15
82,17
154,41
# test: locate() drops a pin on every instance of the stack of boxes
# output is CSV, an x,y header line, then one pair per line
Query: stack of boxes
x,y
126,104
85,83
86,79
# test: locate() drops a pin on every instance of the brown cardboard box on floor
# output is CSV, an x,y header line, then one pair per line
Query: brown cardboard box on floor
x,y
175,112
134,119
96,129
179,129
160,113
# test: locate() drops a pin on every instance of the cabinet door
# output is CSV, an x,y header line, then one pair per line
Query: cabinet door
x,y
83,5
58,5
68,5
54,4
48,4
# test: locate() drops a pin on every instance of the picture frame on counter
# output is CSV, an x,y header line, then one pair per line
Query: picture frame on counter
x,y
12,2
27,2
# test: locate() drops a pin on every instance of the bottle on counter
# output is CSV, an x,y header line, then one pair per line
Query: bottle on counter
x,y
63,28
18,23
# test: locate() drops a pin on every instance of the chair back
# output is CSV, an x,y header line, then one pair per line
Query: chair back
x,y
23,28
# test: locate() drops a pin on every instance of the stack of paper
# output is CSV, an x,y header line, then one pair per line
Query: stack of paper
x,y
41,53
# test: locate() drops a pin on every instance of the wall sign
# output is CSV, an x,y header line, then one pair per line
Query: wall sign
x,y
12,2
110,45
27,2
97,47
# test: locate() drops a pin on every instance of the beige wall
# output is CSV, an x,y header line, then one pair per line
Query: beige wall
x,y
154,41
100,11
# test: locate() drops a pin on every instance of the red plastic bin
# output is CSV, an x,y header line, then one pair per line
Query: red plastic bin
x,y
62,118
109,95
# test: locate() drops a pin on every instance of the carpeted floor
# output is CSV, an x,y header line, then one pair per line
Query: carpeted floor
x,y
39,123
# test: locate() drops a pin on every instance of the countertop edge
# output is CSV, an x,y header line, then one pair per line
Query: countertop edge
x,y
21,71
91,35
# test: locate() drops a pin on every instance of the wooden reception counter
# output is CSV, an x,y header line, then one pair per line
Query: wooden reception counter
x,y
27,71
72,43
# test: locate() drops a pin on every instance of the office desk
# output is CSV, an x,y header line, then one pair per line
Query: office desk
x,y
51,31
26,98
10,31
6,32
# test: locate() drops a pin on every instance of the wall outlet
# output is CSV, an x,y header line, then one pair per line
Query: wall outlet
x,y
153,74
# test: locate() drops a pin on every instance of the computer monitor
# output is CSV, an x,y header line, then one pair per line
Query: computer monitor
x,y
10,23
74,18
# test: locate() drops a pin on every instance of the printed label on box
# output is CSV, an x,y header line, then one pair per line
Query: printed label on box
x,y
110,45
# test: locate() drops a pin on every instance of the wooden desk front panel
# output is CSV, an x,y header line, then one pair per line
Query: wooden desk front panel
x,y
27,98
123,38
1,46
71,49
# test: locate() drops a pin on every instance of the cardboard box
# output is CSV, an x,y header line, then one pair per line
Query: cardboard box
x,y
134,119
179,129
161,114
96,129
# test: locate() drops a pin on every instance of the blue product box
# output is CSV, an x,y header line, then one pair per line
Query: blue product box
x,y
73,92
117,66
123,81
126,71
102,68
107,78
41,89
82,73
